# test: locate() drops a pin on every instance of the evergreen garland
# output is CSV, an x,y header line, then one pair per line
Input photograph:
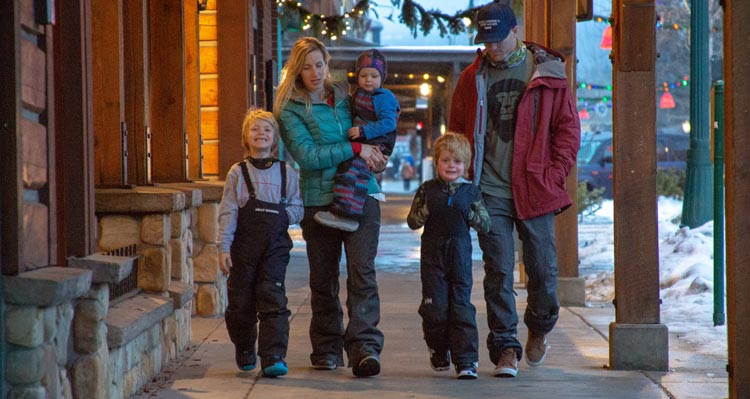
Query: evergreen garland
x,y
294,17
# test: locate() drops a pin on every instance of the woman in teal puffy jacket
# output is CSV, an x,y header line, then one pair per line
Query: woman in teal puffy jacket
x,y
314,116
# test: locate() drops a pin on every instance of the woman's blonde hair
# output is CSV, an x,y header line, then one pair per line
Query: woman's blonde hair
x,y
455,143
291,83
253,115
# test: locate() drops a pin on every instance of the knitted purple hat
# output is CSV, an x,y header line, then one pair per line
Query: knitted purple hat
x,y
372,59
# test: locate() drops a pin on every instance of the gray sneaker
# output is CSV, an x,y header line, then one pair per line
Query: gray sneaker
x,y
329,219
536,349
507,366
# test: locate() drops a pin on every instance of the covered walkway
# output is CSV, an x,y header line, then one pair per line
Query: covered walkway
x,y
576,366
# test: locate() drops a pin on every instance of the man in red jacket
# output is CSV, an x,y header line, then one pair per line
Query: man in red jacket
x,y
516,108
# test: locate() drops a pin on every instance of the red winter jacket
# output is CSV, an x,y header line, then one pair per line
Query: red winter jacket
x,y
547,137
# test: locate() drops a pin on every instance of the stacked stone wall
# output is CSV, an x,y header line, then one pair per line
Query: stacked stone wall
x,y
210,283
37,339
66,339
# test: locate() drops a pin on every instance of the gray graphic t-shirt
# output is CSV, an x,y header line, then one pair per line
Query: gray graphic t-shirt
x,y
505,88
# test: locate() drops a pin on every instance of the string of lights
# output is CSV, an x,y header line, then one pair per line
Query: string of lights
x,y
413,15
660,24
682,82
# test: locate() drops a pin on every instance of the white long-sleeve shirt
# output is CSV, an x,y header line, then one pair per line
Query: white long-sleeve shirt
x,y
266,183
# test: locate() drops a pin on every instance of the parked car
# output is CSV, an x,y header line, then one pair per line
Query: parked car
x,y
595,157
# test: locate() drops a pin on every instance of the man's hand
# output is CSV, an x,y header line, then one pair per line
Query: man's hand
x,y
225,263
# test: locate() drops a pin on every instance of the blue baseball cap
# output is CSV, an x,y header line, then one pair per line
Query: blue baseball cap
x,y
494,22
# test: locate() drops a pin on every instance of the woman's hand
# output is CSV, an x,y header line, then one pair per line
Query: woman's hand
x,y
375,159
225,262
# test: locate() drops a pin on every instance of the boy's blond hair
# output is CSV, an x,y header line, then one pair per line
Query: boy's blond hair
x,y
253,115
455,143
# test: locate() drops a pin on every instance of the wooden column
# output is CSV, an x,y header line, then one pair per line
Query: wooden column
x,y
234,49
192,92
559,34
10,162
106,46
737,141
136,75
535,21
167,91
74,138
266,80
637,339
571,287
37,135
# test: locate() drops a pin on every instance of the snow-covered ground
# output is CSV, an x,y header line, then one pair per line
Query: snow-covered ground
x,y
685,273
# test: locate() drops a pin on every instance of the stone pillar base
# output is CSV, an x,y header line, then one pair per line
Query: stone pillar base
x,y
571,291
639,347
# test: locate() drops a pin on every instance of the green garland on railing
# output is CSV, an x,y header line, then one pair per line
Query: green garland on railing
x,y
418,19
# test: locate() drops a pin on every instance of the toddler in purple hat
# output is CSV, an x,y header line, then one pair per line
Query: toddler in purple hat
x,y
375,112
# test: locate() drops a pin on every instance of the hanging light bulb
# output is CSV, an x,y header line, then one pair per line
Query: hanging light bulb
x,y
606,43
424,89
583,114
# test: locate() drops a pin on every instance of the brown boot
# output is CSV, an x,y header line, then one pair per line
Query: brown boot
x,y
536,349
507,366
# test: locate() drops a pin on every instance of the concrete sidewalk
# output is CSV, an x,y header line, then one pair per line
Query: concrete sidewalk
x,y
574,368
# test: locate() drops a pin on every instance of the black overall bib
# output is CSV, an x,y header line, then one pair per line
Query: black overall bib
x,y
255,288
448,316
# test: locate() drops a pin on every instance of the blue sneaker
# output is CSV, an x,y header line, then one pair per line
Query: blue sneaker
x,y
245,359
277,367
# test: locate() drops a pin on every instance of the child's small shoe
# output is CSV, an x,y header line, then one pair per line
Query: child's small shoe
x,y
274,366
324,364
440,360
466,371
329,219
245,359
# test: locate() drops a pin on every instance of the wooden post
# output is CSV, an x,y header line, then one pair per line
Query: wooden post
x,y
558,33
74,138
736,126
167,91
636,239
192,92
233,30
106,44
535,21
136,75
571,287
10,163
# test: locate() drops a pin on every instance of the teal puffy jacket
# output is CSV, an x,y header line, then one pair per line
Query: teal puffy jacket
x,y
319,141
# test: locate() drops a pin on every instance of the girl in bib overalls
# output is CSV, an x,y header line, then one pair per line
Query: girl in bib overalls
x,y
261,199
